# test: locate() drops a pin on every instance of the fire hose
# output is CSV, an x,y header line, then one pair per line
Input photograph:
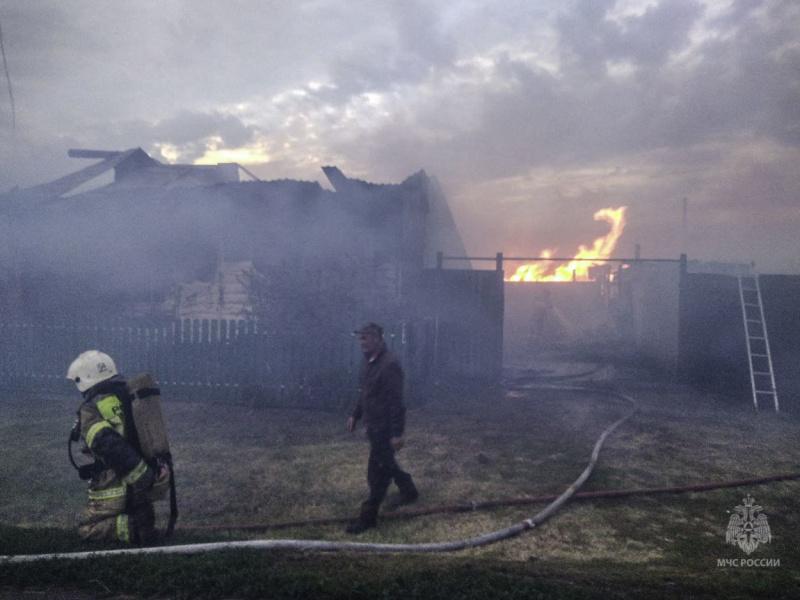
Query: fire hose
x,y
473,542
525,500
556,503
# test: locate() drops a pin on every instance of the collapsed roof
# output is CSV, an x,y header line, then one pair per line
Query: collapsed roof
x,y
153,224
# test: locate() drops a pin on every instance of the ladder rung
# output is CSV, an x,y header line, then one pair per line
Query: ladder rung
x,y
770,392
754,320
759,355
755,337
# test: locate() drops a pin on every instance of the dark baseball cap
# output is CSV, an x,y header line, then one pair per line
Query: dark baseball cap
x,y
370,328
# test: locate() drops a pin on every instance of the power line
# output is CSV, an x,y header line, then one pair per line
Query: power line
x,y
8,79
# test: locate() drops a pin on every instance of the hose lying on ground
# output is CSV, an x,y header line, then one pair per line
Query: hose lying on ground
x,y
524,383
481,540
474,506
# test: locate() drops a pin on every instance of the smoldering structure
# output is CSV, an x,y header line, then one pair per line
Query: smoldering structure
x,y
195,255
224,283
158,225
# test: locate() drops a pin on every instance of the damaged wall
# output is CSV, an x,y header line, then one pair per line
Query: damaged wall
x,y
116,249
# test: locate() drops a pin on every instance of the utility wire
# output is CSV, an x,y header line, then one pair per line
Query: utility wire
x,y
8,79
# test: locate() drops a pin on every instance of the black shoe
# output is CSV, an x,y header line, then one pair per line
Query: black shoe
x,y
404,499
360,526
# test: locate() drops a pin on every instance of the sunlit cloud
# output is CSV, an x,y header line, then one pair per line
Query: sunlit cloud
x,y
530,114
251,155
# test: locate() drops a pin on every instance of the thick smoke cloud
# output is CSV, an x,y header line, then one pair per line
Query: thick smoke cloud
x,y
532,115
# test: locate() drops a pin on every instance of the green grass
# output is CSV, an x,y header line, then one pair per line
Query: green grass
x,y
245,466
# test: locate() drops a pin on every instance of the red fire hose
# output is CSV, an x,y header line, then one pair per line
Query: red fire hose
x,y
474,506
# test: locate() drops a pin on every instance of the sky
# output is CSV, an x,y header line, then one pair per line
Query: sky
x,y
531,114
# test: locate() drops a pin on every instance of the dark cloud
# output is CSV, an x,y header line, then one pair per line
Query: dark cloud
x,y
420,36
190,132
536,108
591,38
743,83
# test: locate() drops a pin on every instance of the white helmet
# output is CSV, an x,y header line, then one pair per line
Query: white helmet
x,y
90,368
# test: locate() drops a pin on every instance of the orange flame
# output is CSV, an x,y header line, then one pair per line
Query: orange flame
x,y
577,269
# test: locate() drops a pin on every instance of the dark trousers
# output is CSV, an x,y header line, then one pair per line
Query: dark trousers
x,y
382,469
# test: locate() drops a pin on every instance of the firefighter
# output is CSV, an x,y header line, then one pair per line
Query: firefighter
x,y
121,483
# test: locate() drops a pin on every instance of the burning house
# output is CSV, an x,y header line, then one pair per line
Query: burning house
x,y
182,254
155,226
222,282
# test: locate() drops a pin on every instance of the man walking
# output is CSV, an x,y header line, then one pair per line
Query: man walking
x,y
380,403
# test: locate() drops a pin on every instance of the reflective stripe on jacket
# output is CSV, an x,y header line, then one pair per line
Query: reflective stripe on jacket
x,y
103,428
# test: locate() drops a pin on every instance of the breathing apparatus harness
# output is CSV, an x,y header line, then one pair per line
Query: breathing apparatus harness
x,y
145,431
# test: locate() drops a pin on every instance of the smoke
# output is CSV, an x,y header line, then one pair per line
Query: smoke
x,y
533,115
100,252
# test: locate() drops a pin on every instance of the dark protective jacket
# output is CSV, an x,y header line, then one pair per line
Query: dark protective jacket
x,y
380,398
109,436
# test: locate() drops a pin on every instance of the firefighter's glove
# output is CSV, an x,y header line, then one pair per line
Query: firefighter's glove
x,y
150,477
145,482
86,472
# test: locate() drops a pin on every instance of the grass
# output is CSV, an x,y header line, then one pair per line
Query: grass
x,y
245,466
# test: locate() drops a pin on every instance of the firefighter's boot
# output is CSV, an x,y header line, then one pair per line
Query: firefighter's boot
x,y
143,529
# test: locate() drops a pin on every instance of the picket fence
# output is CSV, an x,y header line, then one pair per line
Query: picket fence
x,y
231,361
236,361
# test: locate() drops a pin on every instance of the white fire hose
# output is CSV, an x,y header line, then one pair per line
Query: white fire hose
x,y
473,542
